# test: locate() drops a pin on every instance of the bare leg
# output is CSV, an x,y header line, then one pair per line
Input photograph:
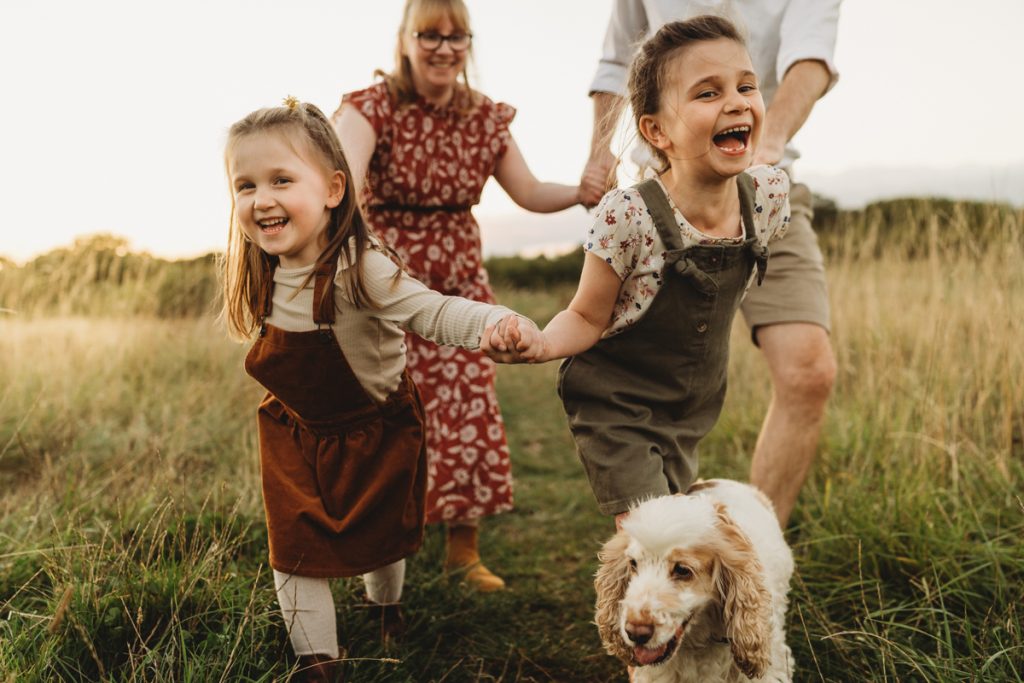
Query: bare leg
x,y
803,370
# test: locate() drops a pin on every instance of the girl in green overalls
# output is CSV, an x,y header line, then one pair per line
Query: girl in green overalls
x,y
667,263
342,454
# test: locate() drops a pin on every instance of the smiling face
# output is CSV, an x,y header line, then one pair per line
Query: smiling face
x,y
283,195
434,72
711,111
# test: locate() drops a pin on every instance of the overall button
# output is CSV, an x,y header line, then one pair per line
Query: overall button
x,y
702,327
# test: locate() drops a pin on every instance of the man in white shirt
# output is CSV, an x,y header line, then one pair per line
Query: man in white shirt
x,y
791,44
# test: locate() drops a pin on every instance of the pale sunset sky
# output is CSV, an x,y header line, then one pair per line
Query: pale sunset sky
x,y
115,112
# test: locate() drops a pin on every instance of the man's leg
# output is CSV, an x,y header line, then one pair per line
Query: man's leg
x,y
789,319
803,370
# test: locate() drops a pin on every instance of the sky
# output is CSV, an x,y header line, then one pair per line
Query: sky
x,y
115,112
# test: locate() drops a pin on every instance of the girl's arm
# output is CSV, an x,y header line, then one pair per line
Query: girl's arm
x,y
518,181
579,326
414,307
358,141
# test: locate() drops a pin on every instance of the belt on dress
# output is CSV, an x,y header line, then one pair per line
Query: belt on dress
x,y
417,208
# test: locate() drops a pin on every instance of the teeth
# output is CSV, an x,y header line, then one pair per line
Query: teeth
x,y
736,129
269,223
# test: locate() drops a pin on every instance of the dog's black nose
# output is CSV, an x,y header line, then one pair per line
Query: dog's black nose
x,y
639,633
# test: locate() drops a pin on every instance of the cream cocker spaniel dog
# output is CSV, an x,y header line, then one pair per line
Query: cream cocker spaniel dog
x,y
694,588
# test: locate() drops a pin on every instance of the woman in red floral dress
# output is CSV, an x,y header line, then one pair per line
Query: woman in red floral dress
x,y
426,143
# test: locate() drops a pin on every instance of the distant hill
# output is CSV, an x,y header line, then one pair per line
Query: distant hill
x,y
856,188
531,234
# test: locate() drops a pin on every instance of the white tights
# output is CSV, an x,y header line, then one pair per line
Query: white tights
x,y
308,606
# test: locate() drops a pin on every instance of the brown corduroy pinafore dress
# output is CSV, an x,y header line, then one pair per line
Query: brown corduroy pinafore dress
x,y
344,477
639,401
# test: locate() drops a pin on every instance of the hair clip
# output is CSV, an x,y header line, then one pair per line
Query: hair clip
x,y
292,102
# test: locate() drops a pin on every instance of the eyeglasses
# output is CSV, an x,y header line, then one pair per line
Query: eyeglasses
x,y
432,40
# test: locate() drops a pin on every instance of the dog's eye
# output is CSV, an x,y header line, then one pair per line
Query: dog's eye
x,y
682,572
632,564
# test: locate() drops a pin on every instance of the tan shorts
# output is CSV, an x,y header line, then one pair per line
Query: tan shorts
x,y
794,288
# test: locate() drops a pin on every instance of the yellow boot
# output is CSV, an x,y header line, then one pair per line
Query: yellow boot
x,y
463,555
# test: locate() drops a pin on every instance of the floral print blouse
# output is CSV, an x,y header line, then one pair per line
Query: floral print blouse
x,y
624,236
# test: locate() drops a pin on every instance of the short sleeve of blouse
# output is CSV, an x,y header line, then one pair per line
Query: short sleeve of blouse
x,y
771,202
619,232
374,103
500,115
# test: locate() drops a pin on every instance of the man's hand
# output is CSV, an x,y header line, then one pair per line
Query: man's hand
x,y
599,173
598,177
769,150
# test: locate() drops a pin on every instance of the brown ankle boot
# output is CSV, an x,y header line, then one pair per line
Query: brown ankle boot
x,y
464,556
390,619
317,669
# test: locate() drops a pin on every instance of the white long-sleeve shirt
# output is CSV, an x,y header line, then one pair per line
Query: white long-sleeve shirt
x,y
779,33
372,338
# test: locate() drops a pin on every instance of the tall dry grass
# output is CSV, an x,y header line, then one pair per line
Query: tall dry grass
x,y
131,539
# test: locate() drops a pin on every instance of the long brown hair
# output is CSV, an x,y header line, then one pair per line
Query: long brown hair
x,y
246,270
417,16
648,75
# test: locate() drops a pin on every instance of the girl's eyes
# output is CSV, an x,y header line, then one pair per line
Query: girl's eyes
x,y
707,94
243,187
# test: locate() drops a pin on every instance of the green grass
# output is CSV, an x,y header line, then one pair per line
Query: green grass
x,y
132,545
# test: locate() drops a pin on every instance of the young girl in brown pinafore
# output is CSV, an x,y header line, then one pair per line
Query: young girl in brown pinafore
x,y
667,263
341,428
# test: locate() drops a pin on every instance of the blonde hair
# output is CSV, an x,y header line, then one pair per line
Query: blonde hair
x,y
246,270
419,15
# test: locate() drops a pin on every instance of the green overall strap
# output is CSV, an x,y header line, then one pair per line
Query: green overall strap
x,y
661,212
668,229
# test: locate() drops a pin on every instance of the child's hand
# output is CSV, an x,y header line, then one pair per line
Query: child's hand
x,y
511,342
528,341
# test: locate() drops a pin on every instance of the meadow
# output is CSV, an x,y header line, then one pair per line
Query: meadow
x,y
132,545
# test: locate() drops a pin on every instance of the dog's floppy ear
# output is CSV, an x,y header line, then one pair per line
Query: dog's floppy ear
x,y
746,603
610,584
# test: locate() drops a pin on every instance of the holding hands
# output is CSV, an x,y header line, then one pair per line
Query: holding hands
x,y
598,177
592,187
514,339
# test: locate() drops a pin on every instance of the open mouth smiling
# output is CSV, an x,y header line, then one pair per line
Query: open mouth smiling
x,y
271,226
647,656
733,140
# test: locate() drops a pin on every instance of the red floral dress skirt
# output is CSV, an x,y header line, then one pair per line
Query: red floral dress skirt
x,y
428,168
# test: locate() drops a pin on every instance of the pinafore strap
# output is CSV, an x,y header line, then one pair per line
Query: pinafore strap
x,y
668,229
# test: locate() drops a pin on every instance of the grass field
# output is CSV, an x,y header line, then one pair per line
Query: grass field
x,y
132,545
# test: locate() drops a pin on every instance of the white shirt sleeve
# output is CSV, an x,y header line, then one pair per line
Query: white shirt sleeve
x,y
627,29
808,31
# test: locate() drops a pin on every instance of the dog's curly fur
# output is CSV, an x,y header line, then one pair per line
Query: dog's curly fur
x,y
694,588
